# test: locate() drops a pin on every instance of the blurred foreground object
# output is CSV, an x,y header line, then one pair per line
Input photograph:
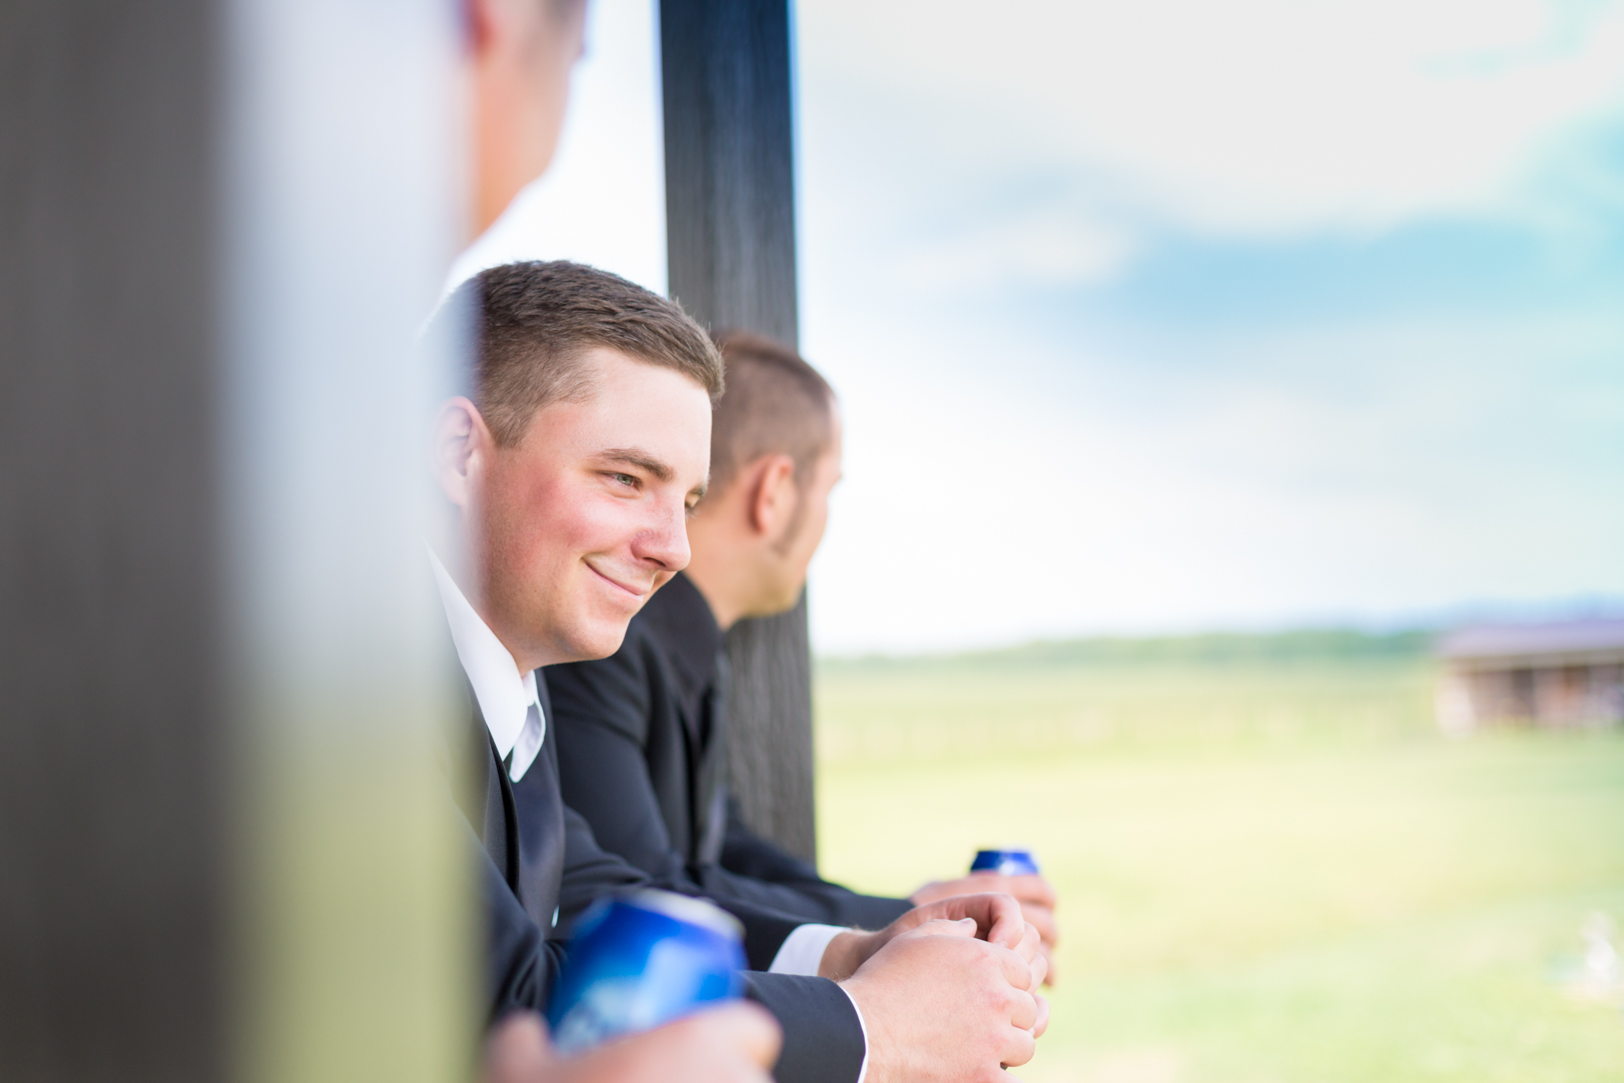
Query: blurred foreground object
x,y
1557,675
225,851
734,1042
638,962
1600,976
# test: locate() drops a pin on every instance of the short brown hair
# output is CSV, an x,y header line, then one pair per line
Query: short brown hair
x,y
775,402
533,322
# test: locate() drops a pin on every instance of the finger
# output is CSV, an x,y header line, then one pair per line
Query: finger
x,y
1040,970
1031,943
998,915
1018,1047
1048,966
1016,970
1042,1023
1023,1010
747,1027
1003,920
1043,918
976,909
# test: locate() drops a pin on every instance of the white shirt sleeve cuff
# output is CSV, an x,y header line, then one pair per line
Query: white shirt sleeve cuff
x,y
801,952
862,1072
803,949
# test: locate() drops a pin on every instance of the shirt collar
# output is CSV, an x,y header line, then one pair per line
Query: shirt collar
x,y
505,697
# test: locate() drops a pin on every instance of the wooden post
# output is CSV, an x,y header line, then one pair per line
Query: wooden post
x,y
730,212
112,858
225,848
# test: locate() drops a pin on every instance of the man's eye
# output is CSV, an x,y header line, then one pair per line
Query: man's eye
x,y
625,479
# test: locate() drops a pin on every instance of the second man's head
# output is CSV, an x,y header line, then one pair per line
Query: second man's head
x,y
775,457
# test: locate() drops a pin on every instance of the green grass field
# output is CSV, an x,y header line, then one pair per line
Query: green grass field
x,y
1272,868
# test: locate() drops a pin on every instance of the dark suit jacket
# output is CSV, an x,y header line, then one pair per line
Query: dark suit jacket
x,y
642,750
538,859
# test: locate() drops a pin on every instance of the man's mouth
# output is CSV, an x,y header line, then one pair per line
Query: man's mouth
x,y
634,590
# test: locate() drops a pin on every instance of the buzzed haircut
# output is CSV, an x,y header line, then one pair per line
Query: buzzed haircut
x,y
534,323
775,403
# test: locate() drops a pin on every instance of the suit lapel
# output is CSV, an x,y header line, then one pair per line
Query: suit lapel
x,y
496,814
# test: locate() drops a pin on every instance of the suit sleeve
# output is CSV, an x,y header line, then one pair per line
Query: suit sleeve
x,y
600,714
601,711
767,874
747,853
823,1038
590,873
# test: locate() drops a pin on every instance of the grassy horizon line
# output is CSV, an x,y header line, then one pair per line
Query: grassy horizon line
x,y
1302,645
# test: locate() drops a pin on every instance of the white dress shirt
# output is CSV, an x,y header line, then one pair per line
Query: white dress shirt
x,y
512,710
507,699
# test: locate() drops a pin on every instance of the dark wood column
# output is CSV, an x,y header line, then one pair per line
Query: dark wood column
x,y
224,847
112,863
730,213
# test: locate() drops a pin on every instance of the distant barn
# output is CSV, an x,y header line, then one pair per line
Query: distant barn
x,y
1559,675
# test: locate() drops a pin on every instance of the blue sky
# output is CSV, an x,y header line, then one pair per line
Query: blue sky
x,y
1174,315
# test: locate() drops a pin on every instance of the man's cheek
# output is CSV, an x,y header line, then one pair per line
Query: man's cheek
x,y
603,525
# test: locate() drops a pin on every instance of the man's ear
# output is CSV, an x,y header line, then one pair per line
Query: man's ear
x,y
462,443
773,495
480,19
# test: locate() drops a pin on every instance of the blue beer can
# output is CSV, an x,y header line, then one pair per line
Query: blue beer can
x,y
636,962
1005,862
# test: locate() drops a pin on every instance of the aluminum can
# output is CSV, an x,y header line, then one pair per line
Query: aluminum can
x,y
1005,862
636,962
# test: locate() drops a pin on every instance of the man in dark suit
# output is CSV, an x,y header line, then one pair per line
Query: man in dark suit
x,y
642,735
515,66
568,477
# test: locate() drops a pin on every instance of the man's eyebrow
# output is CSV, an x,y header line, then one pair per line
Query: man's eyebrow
x,y
642,460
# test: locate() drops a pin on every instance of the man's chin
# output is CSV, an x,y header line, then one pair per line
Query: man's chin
x,y
599,640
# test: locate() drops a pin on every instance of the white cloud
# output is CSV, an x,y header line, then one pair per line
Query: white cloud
x,y
1036,246
987,500
1250,117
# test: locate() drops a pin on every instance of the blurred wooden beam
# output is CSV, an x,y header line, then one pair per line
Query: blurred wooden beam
x,y
113,938
225,851
730,212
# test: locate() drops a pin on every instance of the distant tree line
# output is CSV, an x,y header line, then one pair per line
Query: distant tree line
x,y
1300,646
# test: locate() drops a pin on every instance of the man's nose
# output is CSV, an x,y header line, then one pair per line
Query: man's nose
x,y
666,540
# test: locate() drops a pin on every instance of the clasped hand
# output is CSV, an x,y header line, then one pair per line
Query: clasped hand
x,y
948,991
1034,893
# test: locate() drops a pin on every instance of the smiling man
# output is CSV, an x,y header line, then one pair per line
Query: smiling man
x,y
515,69
569,472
